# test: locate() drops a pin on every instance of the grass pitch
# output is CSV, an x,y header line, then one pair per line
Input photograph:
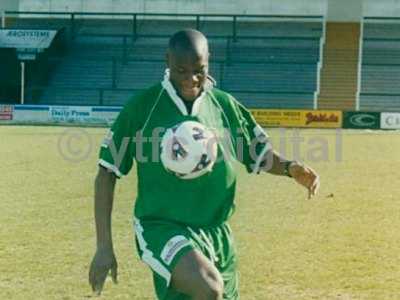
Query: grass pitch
x,y
342,244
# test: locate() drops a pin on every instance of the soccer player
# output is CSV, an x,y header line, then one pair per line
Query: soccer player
x,y
181,228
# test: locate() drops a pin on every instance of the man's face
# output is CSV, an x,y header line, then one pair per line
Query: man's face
x,y
188,73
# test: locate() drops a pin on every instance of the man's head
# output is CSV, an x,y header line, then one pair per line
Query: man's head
x,y
187,59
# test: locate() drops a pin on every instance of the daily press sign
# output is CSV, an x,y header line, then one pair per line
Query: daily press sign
x,y
82,114
44,114
70,114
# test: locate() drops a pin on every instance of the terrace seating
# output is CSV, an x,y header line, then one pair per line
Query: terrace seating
x,y
380,76
267,64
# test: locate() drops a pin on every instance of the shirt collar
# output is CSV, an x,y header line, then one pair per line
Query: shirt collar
x,y
167,85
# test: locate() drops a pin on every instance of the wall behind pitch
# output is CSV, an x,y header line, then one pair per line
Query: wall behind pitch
x,y
303,7
381,8
345,10
389,8
8,5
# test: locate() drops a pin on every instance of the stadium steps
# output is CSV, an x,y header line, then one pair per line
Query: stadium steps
x,y
339,72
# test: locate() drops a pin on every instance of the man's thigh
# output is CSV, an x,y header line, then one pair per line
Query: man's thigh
x,y
196,276
162,245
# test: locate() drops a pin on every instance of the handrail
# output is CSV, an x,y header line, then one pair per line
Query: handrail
x,y
320,64
260,62
360,64
164,14
379,94
209,36
213,61
382,39
381,65
101,91
272,92
110,89
77,88
382,18
270,37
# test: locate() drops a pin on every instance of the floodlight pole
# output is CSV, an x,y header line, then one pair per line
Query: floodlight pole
x,y
22,82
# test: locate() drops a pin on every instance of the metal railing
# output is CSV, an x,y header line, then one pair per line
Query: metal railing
x,y
134,18
34,93
320,63
102,100
359,67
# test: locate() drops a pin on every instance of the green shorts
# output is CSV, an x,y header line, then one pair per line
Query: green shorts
x,y
160,244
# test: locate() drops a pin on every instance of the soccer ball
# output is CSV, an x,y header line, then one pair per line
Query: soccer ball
x,y
188,150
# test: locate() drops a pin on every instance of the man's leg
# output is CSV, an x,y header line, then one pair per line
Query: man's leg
x,y
195,276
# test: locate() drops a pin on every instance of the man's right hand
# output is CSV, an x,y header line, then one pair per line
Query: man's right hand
x,y
103,263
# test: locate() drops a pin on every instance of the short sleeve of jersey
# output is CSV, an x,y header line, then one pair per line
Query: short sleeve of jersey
x,y
252,142
118,149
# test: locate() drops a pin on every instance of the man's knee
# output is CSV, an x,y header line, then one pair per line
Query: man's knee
x,y
215,291
196,277
209,286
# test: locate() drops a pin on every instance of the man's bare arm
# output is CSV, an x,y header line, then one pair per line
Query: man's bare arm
x,y
104,197
275,164
104,260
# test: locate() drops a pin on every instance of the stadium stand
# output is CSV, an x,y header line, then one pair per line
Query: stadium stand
x,y
380,75
264,64
271,80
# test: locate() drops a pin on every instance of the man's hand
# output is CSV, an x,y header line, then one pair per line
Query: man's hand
x,y
103,262
305,176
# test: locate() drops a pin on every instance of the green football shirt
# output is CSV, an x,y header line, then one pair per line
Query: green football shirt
x,y
136,136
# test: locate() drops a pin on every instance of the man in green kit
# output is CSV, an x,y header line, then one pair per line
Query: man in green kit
x,y
181,228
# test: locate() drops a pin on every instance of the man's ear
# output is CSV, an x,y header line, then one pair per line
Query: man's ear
x,y
167,59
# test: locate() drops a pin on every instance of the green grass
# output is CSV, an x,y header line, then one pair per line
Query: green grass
x,y
343,244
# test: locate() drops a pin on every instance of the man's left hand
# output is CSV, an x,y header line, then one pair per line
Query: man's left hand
x,y
305,176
